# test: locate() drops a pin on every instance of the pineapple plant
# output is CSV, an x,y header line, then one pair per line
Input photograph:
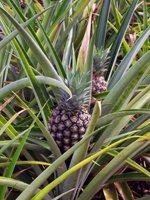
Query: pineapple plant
x,y
97,167
69,120
99,83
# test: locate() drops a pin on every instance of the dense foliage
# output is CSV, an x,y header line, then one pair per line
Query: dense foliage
x,y
74,99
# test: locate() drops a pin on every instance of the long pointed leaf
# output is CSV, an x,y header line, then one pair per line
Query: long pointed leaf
x,y
24,82
118,41
40,56
102,24
126,62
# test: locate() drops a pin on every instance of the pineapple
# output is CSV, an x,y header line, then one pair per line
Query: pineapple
x,y
69,120
23,3
1,37
99,67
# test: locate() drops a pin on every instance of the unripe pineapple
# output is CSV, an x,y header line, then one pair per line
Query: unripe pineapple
x,y
99,67
69,120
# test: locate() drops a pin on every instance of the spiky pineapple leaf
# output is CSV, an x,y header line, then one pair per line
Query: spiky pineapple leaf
x,y
22,18
115,164
11,132
14,33
84,162
135,71
79,87
54,55
100,60
126,62
24,82
118,40
134,176
50,170
78,11
15,157
40,56
102,25
10,182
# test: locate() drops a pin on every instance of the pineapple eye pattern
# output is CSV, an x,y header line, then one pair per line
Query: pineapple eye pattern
x,y
67,127
98,84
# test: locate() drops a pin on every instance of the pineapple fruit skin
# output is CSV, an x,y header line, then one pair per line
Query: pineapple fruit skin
x,y
98,84
68,127
100,63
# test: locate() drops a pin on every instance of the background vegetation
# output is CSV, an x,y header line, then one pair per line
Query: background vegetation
x,y
42,43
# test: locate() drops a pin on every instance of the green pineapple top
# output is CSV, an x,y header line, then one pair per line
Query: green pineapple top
x,y
100,61
81,90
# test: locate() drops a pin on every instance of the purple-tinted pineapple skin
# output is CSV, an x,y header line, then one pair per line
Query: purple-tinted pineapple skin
x,y
98,84
67,128
1,37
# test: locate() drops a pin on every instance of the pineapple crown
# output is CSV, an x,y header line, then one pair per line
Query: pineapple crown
x,y
81,91
100,61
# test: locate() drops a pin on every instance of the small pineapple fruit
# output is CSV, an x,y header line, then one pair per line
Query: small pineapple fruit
x,y
69,120
99,67
23,3
1,37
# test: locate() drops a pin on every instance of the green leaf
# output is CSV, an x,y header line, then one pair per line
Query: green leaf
x,y
12,165
24,82
81,152
112,167
15,184
130,176
78,11
19,185
10,130
14,33
37,89
22,18
118,40
133,164
134,73
102,25
50,170
54,55
57,181
28,162
126,62
38,53
9,122
106,119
